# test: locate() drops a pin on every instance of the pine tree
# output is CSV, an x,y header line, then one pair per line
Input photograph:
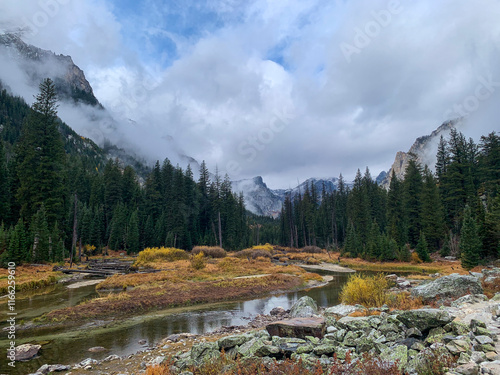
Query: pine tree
x,y
4,187
41,158
40,236
491,239
412,186
470,244
133,244
432,214
18,245
423,249
396,216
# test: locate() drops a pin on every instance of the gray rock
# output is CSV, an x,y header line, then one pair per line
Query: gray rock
x,y
97,349
355,324
492,368
463,359
305,307
88,362
413,332
468,369
297,327
111,357
424,319
342,310
457,347
231,341
204,351
451,286
47,369
484,340
26,351
250,348
469,299
478,357
324,349
398,353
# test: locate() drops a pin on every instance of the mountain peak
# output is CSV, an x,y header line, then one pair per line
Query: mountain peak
x,y
38,63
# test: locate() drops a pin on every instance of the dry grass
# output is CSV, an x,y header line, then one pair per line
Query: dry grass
x,y
163,254
404,301
167,295
184,285
209,251
198,261
29,277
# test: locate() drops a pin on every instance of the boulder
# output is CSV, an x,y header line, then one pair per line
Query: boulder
x,y
398,353
305,307
252,347
26,351
231,341
468,369
469,299
343,310
298,327
47,369
362,323
425,319
204,351
491,368
451,286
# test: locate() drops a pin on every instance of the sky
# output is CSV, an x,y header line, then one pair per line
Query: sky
x,y
284,89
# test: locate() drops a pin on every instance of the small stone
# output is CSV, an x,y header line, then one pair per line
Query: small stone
x,y
97,349
491,356
26,351
484,340
414,332
468,369
478,357
463,359
142,342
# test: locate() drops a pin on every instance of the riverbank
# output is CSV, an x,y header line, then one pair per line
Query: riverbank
x,y
225,279
460,338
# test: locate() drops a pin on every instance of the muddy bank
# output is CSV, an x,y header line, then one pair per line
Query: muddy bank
x,y
326,267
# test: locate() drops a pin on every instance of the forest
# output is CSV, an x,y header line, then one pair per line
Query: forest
x,y
61,196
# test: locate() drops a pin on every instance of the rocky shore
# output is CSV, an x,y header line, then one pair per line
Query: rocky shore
x,y
463,332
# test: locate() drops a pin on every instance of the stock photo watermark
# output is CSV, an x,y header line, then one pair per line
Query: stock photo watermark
x,y
47,9
372,29
250,148
11,314
485,88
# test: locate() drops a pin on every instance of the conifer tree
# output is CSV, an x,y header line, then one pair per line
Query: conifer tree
x,y
412,198
40,236
41,158
133,244
396,218
432,215
18,245
423,249
470,244
4,187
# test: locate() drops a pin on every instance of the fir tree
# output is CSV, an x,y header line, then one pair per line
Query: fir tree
x,y
4,187
18,245
432,215
133,244
470,244
423,249
40,236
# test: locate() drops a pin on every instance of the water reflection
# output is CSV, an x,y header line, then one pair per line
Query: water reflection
x,y
125,341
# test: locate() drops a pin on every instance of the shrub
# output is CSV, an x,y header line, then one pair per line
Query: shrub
x,y
312,261
404,301
266,247
252,253
369,291
262,259
166,254
198,261
312,250
415,258
210,251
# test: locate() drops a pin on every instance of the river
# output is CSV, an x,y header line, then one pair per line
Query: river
x,y
68,347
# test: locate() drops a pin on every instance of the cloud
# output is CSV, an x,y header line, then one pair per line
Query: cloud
x,y
267,88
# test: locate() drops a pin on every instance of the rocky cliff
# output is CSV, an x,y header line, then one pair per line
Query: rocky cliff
x,y
424,149
39,64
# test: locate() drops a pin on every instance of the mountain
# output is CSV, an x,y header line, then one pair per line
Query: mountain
x,y
38,64
424,149
261,200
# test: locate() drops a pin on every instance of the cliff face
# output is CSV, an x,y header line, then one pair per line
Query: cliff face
x,y
39,64
423,149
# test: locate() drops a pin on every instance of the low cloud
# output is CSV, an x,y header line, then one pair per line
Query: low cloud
x,y
265,88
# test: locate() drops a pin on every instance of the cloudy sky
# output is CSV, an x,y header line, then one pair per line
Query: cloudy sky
x,y
286,89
